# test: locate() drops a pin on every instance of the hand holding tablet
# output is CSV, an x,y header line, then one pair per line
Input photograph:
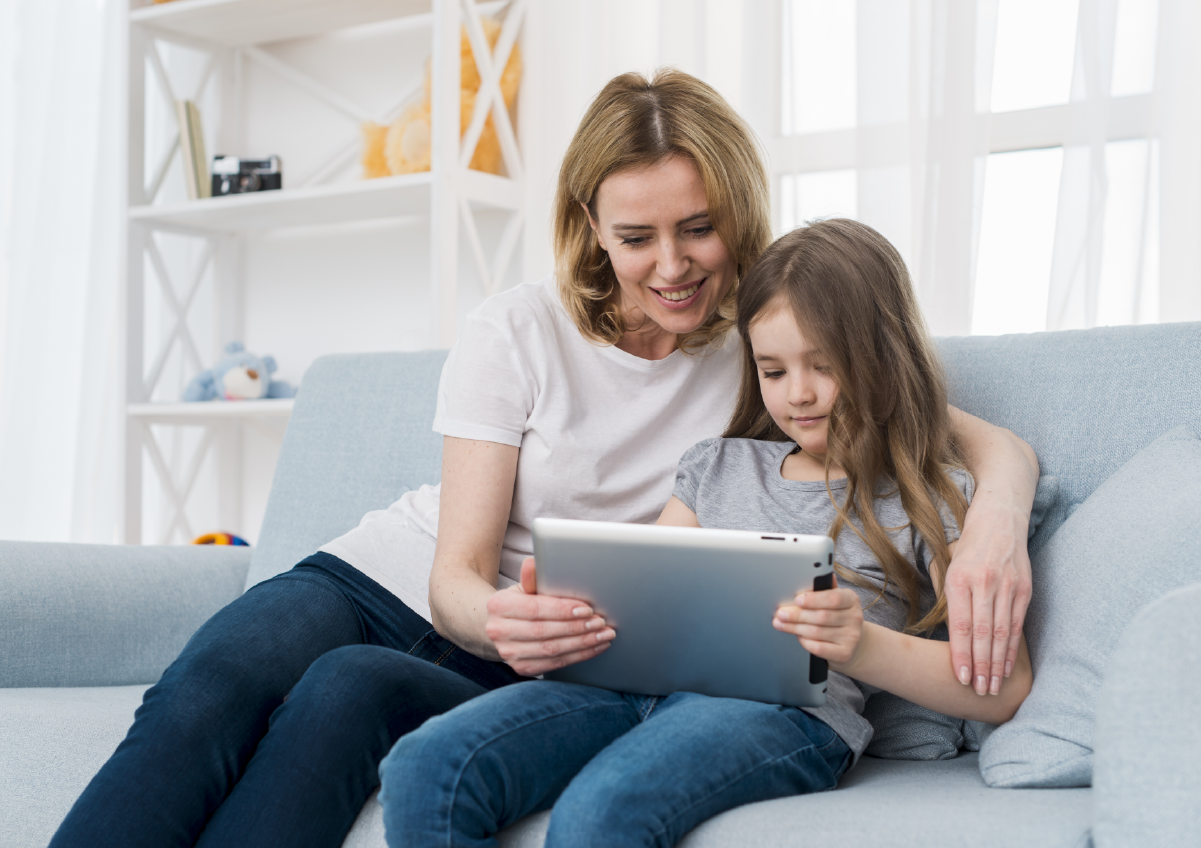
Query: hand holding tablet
x,y
692,608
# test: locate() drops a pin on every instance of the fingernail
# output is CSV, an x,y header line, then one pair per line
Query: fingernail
x,y
1008,668
581,612
605,635
981,684
995,688
965,676
594,624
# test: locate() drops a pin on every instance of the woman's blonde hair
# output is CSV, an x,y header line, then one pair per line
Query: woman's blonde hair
x,y
851,295
635,123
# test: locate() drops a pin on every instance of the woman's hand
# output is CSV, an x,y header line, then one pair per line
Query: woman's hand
x,y
536,633
988,590
828,624
988,583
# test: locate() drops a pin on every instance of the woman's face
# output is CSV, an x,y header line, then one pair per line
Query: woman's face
x,y
672,267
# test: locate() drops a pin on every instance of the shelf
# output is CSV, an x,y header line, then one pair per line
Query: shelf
x,y
365,200
208,411
236,23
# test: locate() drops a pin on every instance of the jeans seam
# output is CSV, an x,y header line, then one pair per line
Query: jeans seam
x,y
650,706
458,779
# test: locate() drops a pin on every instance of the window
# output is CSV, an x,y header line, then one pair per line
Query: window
x,y
1007,147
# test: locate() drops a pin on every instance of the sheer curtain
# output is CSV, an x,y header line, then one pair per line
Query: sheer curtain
x,y
61,201
1038,162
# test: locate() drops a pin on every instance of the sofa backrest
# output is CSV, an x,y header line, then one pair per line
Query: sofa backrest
x,y
1085,400
359,437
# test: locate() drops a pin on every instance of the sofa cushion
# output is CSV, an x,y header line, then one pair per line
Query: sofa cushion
x,y
1085,400
1146,784
906,805
54,740
359,437
1137,537
95,615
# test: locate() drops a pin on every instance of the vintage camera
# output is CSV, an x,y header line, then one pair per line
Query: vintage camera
x,y
232,175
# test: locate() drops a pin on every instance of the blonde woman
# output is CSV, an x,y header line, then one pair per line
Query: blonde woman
x,y
572,397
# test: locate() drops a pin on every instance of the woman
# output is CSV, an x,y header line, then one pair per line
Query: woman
x,y
573,397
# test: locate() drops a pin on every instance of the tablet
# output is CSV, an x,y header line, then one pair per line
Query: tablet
x,y
692,607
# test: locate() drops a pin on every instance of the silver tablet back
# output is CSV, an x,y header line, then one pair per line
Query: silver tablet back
x,y
692,608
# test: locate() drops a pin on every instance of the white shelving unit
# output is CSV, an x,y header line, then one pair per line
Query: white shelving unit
x,y
231,33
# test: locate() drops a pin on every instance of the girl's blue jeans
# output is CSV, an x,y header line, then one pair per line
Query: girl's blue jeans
x,y
617,769
269,728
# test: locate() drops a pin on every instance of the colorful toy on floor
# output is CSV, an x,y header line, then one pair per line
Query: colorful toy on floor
x,y
404,147
220,539
240,375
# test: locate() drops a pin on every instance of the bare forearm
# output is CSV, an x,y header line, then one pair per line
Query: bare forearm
x,y
1004,466
919,670
459,609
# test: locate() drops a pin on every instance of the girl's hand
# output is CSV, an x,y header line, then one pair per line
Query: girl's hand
x,y
538,633
828,624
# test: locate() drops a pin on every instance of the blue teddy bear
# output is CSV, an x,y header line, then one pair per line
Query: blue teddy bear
x,y
239,376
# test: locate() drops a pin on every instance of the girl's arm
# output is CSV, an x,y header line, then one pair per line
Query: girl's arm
x,y
988,583
532,633
830,624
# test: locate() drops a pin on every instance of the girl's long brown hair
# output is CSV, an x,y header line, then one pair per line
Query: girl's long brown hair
x,y
634,123
851,295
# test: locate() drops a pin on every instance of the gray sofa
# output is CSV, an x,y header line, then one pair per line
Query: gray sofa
x,y
84,629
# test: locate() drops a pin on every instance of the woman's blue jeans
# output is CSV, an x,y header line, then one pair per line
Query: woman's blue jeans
x,y
269,728
627,770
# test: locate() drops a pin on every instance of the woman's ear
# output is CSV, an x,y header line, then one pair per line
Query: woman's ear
x,y
595,226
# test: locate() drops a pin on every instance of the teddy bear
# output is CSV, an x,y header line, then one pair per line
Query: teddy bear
x,y
404,147
240,375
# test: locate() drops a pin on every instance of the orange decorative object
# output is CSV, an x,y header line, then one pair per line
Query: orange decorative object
x,y
220,538
404,147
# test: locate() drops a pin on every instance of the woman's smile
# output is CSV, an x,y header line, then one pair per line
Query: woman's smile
x,y
679,297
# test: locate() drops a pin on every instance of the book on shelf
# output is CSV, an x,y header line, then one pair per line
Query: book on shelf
x,y
191,148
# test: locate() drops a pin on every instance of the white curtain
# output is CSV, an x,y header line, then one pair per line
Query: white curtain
x,y
1121,240
62,163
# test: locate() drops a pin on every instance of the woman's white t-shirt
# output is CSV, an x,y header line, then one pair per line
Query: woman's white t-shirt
x,y
600,432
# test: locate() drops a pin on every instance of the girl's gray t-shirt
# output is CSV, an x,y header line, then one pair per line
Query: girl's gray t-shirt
x,y
736,484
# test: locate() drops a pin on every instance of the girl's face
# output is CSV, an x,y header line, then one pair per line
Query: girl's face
x,y
794,378
672,267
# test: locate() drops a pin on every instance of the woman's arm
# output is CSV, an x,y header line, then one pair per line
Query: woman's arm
x,y
988,583
532,633
830,624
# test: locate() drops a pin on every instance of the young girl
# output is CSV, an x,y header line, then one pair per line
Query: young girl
x,y
841,427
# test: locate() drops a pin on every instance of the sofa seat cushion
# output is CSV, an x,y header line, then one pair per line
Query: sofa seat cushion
x,y
907,804
54,740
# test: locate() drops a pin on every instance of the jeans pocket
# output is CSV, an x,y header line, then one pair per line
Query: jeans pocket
x,y
433,648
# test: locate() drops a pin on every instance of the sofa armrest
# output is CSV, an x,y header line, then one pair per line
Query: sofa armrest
x,y
1146,784
106,615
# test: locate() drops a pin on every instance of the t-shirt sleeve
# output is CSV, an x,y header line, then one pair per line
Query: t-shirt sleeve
x,y
485,391
693,464
963,481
